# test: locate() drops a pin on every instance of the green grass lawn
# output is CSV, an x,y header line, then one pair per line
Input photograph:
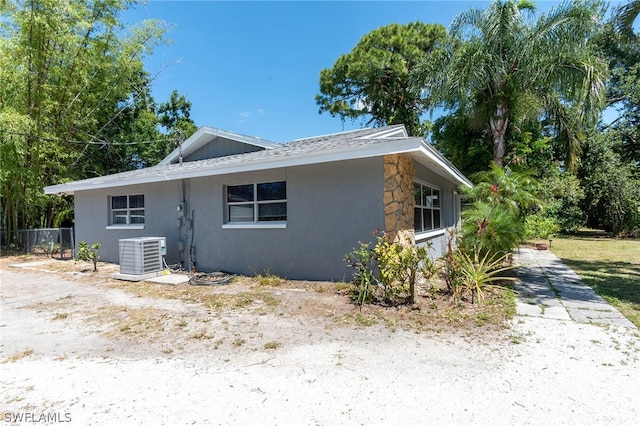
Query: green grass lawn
x,y
610,266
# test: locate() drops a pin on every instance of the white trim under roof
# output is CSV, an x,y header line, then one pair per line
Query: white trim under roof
x,y
397,131
206,134
280,157
175,172
443,164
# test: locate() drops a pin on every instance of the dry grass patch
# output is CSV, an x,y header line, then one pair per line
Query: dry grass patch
x,y
138,322
60,316
272,345
202,334
18,356
244,292
314,301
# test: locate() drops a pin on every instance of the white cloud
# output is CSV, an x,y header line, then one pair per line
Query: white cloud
x,y
243,117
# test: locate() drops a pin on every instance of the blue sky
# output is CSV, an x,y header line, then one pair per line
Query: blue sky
x,y
253,67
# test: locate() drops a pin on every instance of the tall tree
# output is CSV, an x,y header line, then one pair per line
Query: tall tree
x,y
373,79
68,69
505,66
623,92
174,117
611,186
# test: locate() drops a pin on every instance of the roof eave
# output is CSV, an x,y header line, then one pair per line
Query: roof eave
x,y
449,169
416,147
177,173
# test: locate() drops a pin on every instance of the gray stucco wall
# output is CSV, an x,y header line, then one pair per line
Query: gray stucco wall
x,y
92,217
330,207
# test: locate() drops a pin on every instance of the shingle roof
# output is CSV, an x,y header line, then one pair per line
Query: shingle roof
x,y
333,147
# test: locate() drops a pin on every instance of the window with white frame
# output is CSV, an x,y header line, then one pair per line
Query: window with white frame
x,y
127,210
257,202
426,215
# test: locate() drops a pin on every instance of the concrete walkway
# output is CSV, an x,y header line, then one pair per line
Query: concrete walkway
x,y
549,289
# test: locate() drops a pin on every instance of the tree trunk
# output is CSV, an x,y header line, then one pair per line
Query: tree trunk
x,y
498,125
412,287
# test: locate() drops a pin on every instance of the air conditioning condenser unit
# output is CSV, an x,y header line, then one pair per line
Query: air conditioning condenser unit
x,y
142,256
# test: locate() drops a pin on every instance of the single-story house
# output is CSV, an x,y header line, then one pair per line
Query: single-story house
x,y
240,204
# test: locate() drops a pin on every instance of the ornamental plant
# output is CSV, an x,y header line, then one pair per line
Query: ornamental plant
x,y
469,273
494,224
88,253
387,272
488,229
476,272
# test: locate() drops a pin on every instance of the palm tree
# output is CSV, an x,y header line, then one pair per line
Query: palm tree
x,y
625,16
504,65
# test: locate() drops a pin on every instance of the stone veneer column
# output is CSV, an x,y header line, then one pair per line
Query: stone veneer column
x,y
398,198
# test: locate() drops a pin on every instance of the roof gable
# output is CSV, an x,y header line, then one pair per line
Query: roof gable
x,y
208,142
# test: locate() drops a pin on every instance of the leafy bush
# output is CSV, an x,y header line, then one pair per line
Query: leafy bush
x,y
362,260
89,254
562,196
494,224
388,272
611,186
488,229
539,225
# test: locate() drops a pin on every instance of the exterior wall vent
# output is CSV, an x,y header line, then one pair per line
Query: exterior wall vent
x,y
142,255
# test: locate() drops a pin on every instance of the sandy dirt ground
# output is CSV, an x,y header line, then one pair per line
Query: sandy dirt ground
x,y
75,350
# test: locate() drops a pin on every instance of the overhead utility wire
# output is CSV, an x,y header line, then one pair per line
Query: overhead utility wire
x,y
87,142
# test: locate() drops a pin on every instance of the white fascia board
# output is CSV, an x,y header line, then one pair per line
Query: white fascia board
x,y
435,157
61,189
176,173
394,132
72,187
417,147
200,135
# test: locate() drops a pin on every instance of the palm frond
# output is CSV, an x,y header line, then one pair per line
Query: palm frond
x,y
625,16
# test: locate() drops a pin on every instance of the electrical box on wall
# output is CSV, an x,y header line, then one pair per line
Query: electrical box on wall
x,y
163,246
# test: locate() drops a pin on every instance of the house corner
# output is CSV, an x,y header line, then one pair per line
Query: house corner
x,y
398,198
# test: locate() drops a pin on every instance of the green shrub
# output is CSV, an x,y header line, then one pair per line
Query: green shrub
x,y
477,272
388,272
362,260
89,254
562,196
540,226
494,224
611,186
468,273
490,229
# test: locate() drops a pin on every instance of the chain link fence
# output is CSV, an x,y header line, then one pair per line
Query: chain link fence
x,y
52,242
